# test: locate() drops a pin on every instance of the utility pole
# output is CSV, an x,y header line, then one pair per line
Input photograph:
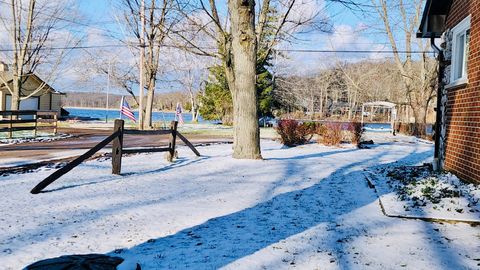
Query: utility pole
x,y
142,63
108,91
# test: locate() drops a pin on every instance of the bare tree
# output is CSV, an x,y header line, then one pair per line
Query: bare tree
x,y
418,74
31,29
189,72
100,62
341,89
360,81
150,22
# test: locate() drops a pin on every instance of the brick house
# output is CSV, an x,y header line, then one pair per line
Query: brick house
x,y
457,23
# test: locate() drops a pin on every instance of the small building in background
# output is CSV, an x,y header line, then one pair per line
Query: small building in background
x,y
48,99
457,23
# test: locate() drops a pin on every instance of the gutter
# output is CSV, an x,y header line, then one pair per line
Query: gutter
x,y
438,120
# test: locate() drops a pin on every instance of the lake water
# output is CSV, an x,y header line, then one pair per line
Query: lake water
x,y
100,114
378,127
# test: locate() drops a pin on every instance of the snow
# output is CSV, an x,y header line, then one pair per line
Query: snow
x,y
53,156
418,192
306,207
40,138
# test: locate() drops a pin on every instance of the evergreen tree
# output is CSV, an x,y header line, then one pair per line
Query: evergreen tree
x,y
266,101
216,100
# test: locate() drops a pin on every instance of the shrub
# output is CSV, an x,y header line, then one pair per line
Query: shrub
x,y
331,133
356,130
320,130
293,133
412,129
311,127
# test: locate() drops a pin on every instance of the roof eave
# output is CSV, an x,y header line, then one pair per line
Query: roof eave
x,y
429,35
434,18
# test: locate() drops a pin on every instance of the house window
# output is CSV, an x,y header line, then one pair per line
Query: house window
x,y
31,103
460,49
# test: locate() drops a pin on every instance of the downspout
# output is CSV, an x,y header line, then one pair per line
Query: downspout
x,y
437,164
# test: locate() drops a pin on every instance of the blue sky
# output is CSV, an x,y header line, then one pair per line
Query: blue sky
x,y
350,32
346,22
95,8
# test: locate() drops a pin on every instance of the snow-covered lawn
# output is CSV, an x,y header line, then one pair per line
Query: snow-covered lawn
x,y
307,207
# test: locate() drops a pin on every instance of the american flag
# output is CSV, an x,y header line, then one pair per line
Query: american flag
x,y
178,114
125,110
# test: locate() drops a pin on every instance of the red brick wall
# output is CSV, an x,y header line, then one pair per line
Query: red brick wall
x,y
463,106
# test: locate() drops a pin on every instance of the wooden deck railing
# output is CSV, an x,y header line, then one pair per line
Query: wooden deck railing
x,y
116,138
24,120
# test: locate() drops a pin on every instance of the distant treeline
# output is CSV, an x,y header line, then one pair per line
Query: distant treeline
x,y
162,101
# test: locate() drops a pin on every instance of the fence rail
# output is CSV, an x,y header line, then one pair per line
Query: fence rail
x,y
116,138
28,120
416,129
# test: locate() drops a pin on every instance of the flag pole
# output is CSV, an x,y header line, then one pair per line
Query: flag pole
x,y
121,104
176,112
108,90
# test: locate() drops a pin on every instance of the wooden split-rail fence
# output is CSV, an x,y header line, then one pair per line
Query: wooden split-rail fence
x,y
24,120
116,138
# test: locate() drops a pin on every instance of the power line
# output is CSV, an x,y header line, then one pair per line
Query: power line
x,y
212,48
73,47
281,50
354,51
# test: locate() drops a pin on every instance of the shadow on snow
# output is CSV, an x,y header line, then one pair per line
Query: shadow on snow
x,y
222,240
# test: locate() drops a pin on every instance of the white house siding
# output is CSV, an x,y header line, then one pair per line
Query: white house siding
x,y
2,101
45,102
56,102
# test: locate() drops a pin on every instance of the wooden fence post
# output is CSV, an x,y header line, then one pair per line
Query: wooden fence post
x,y
117,145
189,144
55,127
171,145
10,126
72,164
36,125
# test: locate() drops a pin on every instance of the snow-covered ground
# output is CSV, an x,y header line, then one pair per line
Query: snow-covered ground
x,y
416,191
41,137
307,207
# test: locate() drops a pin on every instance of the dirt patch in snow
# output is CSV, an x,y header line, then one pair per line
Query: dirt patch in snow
x,y
419,191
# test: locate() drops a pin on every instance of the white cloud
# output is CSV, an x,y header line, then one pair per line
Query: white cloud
x,y
343,38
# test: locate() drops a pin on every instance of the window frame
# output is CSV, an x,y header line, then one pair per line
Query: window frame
x,y
460,29
9,104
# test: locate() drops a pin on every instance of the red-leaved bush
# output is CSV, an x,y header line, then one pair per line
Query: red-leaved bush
x,y
293,133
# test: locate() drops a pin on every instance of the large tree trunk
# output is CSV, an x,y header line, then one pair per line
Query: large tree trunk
x,y
141,106
194,107
149,105
20,49
15,106
15,101
241,75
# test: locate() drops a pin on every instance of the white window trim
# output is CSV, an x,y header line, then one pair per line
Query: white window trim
x,y
460,28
